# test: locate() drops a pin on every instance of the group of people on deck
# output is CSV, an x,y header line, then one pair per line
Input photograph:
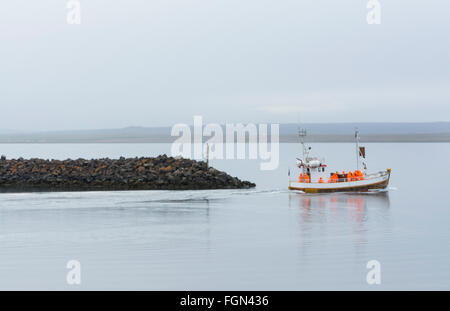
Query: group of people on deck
x,y
356,175
335,177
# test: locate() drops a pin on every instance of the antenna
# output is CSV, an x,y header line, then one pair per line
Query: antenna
x,y
357,147
207,155
302,134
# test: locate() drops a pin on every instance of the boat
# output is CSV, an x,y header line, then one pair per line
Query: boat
x,y
314,178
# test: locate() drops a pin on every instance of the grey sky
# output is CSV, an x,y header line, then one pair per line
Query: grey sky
x,y
159,62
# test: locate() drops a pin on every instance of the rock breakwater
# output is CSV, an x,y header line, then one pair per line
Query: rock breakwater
x,y
158,173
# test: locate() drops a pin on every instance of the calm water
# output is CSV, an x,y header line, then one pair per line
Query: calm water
x,y
262,239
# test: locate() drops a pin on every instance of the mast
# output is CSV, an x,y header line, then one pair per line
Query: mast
x,y
357,147
302,134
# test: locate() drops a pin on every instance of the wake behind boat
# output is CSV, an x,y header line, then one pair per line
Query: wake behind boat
x,y
314,178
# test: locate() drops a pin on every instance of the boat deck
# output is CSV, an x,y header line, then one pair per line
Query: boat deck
x,y
379,180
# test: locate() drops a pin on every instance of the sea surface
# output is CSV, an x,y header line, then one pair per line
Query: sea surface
x,y
265,238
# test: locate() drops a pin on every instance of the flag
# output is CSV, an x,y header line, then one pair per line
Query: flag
x,y
362,152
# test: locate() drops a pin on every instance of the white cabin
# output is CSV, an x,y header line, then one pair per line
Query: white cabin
x,y
315,168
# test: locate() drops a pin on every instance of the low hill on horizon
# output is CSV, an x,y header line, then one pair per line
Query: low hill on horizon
x,y
318,132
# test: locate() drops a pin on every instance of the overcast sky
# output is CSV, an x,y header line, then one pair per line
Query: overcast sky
x,y
160,62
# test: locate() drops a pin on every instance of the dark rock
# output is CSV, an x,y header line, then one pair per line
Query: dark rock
x,y
162,172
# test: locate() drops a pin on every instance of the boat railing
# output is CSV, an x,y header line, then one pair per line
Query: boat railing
x,y
376,175
365,177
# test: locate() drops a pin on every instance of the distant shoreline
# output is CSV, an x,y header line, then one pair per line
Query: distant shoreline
x,y
288,133
412,138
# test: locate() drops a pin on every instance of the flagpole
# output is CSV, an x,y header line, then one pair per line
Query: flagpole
x,y
357,147
289,177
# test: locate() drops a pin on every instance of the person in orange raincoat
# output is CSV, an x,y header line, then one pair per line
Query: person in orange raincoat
x,y
306,178
300,178
320,180
333,179
360,175
349,176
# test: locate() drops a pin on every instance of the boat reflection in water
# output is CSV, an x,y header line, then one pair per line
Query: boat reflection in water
x,y
354,204
351,217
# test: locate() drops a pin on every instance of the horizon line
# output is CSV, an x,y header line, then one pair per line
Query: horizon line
x,y
17,131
